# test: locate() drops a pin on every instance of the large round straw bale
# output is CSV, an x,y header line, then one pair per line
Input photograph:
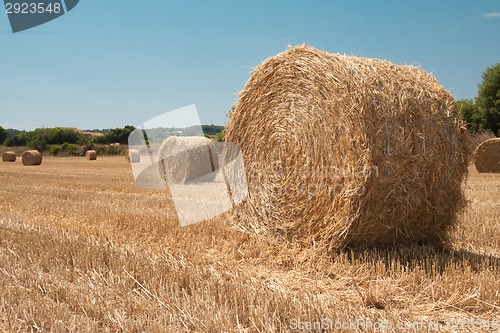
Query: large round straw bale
x,y
487,156
186,158
346,151
31,157
91,155
9,156
132,156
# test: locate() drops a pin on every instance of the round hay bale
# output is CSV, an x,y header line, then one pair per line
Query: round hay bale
x,y
132,156
344,151
91,155
31,157
487,156
184,159
9,156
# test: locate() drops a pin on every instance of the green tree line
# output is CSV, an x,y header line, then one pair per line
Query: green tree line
x,y
483,112
44,139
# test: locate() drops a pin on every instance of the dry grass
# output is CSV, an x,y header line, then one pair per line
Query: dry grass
x,y
18,150
128,267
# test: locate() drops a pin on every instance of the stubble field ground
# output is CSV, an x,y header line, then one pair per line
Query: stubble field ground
x,y
82,249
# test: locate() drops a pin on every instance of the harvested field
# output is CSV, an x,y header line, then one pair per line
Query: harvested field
x,y
82,249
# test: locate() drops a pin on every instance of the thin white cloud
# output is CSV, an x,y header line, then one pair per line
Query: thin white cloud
x,y
491,15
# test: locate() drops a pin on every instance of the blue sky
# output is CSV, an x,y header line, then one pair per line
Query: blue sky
x,y
114,63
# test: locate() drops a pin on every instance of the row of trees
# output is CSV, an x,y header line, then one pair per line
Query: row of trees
x,y
3,134
43,138
66,139
483,112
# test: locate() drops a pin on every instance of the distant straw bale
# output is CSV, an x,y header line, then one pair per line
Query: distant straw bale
x,y
184,159
31,157
344,151
132,156
91,155
487,156
9,156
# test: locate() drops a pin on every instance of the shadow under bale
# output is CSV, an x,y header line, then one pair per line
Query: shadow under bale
x,y
429,258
